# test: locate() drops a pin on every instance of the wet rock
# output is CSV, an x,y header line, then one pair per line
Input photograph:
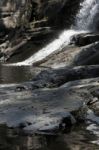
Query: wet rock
x,y
88,55
20,88
72,56
60,58
94,105
56,77
47,109
85,39
23,44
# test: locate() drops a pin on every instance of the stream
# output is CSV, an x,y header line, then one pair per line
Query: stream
x,y
31,113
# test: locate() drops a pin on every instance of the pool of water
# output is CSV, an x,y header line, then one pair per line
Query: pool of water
x,y
78,138
15,74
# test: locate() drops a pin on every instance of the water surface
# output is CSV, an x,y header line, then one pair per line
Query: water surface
x,y
15,74
77,139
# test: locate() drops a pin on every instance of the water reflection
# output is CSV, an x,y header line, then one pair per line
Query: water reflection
x,y
78,139
14,74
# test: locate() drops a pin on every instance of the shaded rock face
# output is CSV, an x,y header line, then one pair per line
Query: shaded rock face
x,y
13,13
58,12
19,13
82,40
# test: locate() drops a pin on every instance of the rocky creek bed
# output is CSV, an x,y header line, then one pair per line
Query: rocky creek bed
x,y
59,102
53,102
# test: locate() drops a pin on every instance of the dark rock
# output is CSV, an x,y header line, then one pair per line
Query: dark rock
x,y
88,55
20,45
20,88
56,77
19,13
85,39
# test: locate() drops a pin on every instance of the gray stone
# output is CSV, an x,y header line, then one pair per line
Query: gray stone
x,y
41,110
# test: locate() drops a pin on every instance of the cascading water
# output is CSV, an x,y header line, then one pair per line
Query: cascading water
x,y
83,23
87,15
57,44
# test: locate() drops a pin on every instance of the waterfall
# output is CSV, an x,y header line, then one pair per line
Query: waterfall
x,y
58,44
83,22
87,15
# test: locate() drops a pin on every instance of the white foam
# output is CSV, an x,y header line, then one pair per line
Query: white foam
x,y
58,44
86,15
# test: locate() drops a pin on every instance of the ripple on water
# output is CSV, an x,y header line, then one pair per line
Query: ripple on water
x,y
15,74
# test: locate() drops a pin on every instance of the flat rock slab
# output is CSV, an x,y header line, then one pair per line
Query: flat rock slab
x,y
72,56
40,110
61,58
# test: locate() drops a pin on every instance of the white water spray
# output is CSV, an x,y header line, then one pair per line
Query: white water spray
x,y
85,17
84,20
58,44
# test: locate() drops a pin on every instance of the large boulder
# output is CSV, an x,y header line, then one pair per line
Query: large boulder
x,y
84,39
